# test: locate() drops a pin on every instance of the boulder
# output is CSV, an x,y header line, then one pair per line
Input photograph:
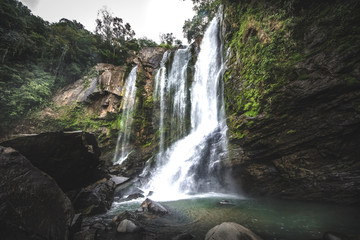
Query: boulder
x,y
334,236
128,188
184,236
225,203
32,206
96,198
99,225
135,163
71,158
124,215
127,226
89,234
151,206
134,196
76,224
118,180
230,231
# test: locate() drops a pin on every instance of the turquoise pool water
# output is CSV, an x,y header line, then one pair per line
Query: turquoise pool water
x,y
271,219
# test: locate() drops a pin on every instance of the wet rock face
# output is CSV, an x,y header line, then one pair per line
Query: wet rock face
x,y
151,56
308,146
104,78
304,145
101,89
71,158
32,206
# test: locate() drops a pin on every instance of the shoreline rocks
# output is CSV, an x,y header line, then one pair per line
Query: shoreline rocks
x,y
96,198
151,206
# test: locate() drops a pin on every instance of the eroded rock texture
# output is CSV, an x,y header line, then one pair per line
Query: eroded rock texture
x,y
32,206
295,129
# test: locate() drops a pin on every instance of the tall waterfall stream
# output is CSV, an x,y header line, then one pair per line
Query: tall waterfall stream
x,y
190,164
122,147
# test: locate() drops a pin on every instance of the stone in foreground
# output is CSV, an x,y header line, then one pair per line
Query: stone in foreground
x,y
32,206
127,226
70,158
230,231
150,206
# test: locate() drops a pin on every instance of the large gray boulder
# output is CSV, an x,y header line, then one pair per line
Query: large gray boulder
x,y
153,207
95,198
32,206
230,231
127,226
71,158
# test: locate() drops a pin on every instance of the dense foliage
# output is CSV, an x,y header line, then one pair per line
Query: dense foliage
x,y
37,57
205,11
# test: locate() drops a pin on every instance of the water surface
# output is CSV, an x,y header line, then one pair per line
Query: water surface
x,y
270,219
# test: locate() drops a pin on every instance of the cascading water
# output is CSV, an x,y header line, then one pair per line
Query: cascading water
x,y
122,145
190,164
171,91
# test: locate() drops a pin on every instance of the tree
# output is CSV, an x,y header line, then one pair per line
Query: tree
x,y
178,42
145,42
113,29
167,38
206,10
114,37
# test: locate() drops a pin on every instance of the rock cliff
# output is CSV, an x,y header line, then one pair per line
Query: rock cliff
x,y
101,88
292,95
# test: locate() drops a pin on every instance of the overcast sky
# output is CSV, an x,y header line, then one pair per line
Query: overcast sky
x,y
147,17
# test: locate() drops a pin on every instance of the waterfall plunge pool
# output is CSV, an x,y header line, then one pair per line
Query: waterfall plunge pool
x,y
269,218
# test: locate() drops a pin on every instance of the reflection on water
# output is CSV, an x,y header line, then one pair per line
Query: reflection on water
x,y
271,219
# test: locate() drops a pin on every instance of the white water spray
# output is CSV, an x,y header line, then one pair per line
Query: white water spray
x,y
190,165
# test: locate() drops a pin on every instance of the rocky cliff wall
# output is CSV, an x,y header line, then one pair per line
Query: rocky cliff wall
x,y
292,95
94,104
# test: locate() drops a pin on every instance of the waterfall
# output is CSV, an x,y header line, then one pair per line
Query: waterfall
x,y
171,91
128,107
159,94
190,164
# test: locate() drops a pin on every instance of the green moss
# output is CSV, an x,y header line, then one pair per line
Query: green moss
x,y
303,77
263,53
167,46
140,83
143,113
250,123
149,103
291,131
262,57
88,210
148,144
351,80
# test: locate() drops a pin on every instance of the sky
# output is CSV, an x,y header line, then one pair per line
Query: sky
x,y
147,17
